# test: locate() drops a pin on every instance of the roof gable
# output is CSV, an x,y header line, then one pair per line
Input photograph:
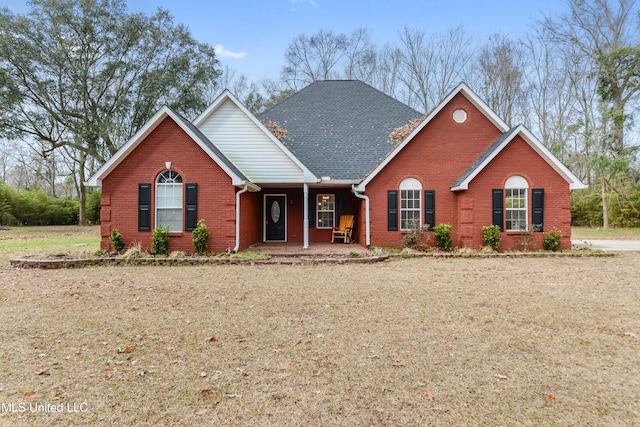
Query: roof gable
x,y
462,183
340,128
237,177
469,95
249,144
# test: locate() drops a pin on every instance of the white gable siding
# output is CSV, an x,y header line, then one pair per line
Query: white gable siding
x,y
247,146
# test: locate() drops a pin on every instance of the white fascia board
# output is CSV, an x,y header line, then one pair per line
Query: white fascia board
x,y
308,176
529,138
470,95
335,183
125,150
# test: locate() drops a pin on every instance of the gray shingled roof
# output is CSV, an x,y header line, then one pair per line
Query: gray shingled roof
x,y
484,156
210,145
340,128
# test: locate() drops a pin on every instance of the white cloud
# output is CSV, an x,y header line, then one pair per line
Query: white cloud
x,y
224,53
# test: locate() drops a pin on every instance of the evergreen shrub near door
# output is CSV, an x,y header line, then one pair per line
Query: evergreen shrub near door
x,y
160,240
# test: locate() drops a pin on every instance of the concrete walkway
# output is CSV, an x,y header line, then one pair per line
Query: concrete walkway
x,y
608,245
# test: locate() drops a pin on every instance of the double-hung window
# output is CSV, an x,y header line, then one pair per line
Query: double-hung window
x,y
325,210
410,203
516,205
169,200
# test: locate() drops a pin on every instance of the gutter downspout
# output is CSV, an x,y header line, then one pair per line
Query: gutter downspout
x,y
244,190
367,227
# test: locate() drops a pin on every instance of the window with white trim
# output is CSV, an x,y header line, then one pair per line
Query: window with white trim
x,y
325,210
410,203
516,190
169,200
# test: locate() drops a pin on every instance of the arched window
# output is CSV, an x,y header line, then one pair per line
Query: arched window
x,y
169,200
410,206
516,190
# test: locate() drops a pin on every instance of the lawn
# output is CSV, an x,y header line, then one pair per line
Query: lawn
x,y
597,233
17,241
520,341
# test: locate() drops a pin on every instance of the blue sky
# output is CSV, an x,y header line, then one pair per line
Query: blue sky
x,y
251,36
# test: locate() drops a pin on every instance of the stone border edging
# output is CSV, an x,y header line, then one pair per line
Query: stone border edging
x,y
23,262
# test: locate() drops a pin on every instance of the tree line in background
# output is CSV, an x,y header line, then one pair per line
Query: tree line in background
x,y
79,78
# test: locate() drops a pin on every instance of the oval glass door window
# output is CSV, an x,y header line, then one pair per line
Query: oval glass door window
x,y
275,211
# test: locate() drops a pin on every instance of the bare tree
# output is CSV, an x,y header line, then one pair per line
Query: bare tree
x,y
237,83
386,73
549,97
502,65
432,67
359,56
313,58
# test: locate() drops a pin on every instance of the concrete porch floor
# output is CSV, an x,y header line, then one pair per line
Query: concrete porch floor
x,y
314,249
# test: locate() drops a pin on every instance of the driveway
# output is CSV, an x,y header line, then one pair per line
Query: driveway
x,y
607,245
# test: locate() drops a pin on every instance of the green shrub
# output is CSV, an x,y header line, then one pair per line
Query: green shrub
x,y
551,241
160,240
491,236
200,238
93,206
34,207
443,236
116,240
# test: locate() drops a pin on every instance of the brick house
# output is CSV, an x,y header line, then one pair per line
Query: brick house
x,y
334,148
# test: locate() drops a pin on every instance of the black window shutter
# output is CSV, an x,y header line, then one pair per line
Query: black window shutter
x,y
430,208
191,203
537,209
498,208
311,213
144,207
341,205
392,217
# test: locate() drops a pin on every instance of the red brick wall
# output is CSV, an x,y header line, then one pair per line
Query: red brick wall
x,y
518,158
250,219
436,157
168,143
439,154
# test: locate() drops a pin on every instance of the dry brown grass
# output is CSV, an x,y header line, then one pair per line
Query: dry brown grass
x,y
544,341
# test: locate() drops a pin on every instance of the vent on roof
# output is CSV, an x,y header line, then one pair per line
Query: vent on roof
x,y
460,116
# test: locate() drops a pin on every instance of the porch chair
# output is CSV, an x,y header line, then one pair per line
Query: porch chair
x,y
343,231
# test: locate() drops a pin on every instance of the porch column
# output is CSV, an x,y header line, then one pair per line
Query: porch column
x,y
305,222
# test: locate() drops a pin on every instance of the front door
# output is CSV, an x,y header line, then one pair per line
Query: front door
x,y
275,210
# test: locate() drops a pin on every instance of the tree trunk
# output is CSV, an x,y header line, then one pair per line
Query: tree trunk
x,y
82,191
605,206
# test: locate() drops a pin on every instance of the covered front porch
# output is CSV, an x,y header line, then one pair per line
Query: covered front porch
x,y
303,217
